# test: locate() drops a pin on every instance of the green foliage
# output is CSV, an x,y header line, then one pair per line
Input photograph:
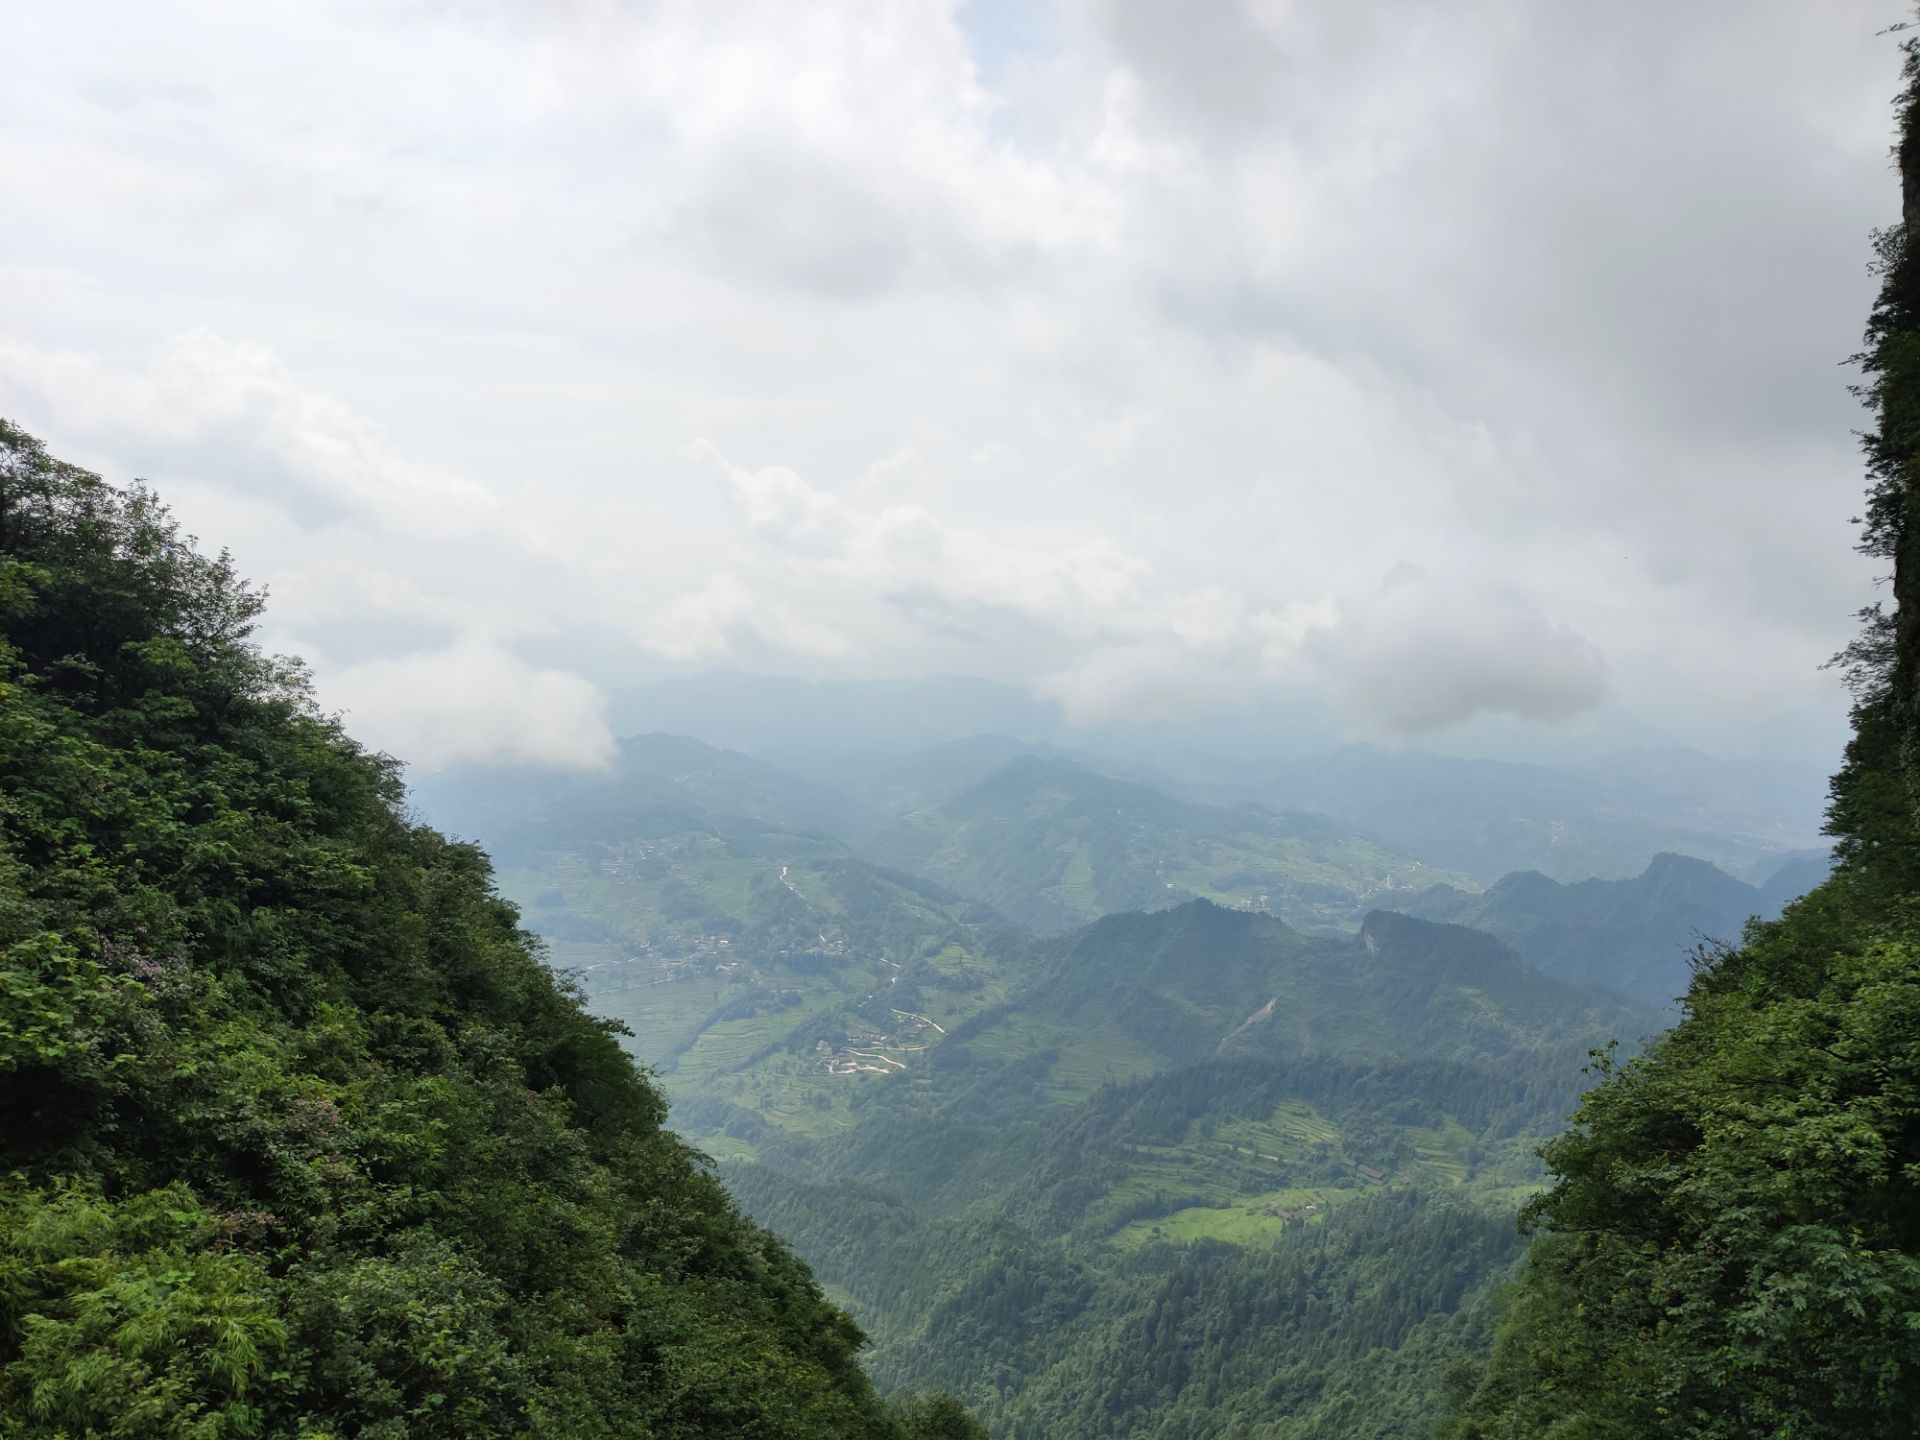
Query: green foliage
x,y
1054,1267
936,1417
1734,1238
135,1317
300,1136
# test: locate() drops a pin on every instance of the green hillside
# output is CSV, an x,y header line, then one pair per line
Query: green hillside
x,y
1053,844
300,1135
1134,993
1006,1219
752,965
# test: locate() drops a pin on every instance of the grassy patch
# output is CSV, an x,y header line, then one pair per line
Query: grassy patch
x,y
1245,1222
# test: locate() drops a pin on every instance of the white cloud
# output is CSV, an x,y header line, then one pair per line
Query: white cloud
x,y
472,701
354,540
831,577
1422,653
1107,361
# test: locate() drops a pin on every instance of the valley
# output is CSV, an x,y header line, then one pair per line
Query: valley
x,y
1004,1062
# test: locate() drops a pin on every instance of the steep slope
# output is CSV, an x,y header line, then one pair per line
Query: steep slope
x,y
300,1136
1631,936
1053,844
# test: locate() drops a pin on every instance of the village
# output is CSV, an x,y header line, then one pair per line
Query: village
x,y
863,1052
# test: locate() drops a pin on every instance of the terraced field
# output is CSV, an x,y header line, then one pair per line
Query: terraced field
x,y
1250,1220
1084,1060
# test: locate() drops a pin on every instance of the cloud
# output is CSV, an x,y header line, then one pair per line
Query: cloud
x,y
832,577
200,395
1422,653
402,572
1091,353
472,701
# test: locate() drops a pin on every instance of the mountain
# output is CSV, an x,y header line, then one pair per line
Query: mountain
x,y
1780,885
300,1135
897,782
1137,993
1019,1161
1053,844
1489,818
655,783
1009,1155
1199,1166
1631,936
769,715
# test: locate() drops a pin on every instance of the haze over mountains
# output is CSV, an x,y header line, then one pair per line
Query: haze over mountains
x,y
1054,844
1020,1043
1631,936
678,840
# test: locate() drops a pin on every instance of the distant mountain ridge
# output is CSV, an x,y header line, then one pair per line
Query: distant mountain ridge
x,y
1491,817
1200,981
1630,936
655,781
1053,844
896,783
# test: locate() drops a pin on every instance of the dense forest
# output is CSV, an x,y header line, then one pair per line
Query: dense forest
x,y
1730,1244
300,1135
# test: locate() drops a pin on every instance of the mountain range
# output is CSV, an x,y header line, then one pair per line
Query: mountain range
x,y
1047,1062
1633,936
1053,844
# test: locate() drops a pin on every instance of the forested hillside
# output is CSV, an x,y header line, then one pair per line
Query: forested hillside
x,y
299,1135
1731,1243
1202,1171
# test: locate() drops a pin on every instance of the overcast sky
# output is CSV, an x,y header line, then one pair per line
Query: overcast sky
x,y
1433,359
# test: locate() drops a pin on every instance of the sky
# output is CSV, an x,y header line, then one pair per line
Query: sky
x,y
1439,363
